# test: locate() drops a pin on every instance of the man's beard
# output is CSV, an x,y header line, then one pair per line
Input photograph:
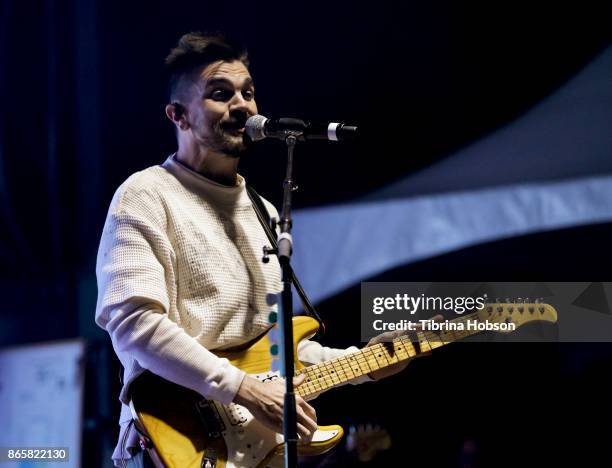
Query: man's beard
x,y
223,141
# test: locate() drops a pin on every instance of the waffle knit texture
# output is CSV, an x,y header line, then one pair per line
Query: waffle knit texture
x,y
179,274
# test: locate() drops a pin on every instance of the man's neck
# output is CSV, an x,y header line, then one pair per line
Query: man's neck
x,y
215,166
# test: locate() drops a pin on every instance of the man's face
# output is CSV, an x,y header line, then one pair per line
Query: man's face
x,y
222,100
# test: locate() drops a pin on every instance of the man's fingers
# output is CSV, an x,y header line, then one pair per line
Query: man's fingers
x,y
309,410
303,432
298,380
305,421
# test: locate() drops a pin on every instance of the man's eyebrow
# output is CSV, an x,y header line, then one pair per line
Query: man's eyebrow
x,y
224,81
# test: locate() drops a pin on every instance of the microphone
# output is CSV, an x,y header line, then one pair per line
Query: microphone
x,y
259,127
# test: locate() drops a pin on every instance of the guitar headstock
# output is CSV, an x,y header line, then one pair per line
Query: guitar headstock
x,y
517,313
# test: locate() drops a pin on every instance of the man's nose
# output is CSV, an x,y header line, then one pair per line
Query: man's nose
x,y
239,103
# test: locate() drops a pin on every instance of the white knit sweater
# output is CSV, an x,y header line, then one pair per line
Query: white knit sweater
x,y
179,273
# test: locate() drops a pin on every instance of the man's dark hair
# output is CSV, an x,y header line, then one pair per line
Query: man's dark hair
x,y
194,51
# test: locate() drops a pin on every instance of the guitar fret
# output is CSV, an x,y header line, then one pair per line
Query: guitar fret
x,y
339,370
362,362
389,353
324,377
369,351
435,340
332,373
423,342
310,381
353,363
400,351
382,352
347,367
350,366
310,384
317,372
408,346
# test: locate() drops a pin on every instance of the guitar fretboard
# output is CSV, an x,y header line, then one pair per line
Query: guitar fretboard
x,y
328,374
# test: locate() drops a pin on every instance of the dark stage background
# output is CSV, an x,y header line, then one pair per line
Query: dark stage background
x,y
83,90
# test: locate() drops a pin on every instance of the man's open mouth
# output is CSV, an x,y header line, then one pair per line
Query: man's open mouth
x,y
235,125
234,130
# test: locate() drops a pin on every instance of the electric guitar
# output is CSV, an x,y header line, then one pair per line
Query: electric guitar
x,y
182,429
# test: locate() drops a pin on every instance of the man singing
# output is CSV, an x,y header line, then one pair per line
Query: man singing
x,y
179,265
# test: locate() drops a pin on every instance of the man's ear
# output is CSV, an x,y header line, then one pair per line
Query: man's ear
x,y
176,113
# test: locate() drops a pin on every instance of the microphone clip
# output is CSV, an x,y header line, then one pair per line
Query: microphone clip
x,y
267,251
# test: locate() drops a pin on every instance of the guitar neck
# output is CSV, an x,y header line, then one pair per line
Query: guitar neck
x,y
328,374
338,371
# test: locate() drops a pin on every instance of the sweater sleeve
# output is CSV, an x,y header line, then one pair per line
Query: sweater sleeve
x,y
161,346
135,286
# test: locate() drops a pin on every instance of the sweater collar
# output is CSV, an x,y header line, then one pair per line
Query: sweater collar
x,y
214,191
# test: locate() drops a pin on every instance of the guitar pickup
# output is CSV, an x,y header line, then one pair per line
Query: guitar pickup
x,y
209,415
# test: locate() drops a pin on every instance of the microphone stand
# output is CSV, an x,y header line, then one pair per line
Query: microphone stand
x,y
285,248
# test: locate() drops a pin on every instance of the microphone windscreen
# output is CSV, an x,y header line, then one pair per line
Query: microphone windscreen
x,y
254,127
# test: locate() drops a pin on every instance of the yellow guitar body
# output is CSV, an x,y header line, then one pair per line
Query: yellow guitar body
x,y
188,431
178,421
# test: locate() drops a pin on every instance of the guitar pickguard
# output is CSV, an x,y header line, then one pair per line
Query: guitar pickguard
x,y
249,443
187,431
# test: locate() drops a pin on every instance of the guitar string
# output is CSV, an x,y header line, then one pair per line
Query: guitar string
x,y
377,354
438,339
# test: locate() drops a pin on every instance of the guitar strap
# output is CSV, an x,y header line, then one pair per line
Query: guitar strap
x,y
265,221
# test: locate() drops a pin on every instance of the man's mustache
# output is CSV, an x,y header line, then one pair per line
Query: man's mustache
x,y
236,122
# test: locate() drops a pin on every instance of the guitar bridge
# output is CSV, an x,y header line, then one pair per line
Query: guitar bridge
x,y
209,415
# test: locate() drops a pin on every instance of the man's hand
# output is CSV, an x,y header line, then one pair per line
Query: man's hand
x,y
265,401
388,337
